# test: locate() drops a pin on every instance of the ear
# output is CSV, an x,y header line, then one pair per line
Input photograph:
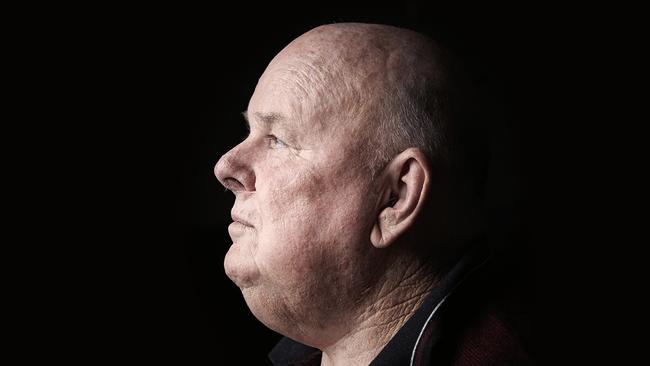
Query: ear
x,y
406,181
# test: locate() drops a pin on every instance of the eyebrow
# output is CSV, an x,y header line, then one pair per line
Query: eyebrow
x,y
266,118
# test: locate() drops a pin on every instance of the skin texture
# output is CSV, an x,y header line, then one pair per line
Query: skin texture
x,y
323,249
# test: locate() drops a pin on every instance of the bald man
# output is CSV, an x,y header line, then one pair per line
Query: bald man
x,y
357,206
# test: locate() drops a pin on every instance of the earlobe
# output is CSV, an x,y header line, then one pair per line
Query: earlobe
x,y
381,235
406,184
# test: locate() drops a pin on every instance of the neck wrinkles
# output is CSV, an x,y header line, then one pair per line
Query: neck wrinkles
x,y
394,302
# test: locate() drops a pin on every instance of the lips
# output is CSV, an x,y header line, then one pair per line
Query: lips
x,y
238,229
239,219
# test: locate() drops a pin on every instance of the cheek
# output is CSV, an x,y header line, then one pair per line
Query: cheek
x,y
306,220
290,193
290,209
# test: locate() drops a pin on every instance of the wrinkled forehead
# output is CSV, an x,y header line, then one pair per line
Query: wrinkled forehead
x,y
309,90
282,91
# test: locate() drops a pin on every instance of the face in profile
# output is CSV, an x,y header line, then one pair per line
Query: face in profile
x,y
304,206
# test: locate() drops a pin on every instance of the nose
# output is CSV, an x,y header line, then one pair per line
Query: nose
x,y
234,171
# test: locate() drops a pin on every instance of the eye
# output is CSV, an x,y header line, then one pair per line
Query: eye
x,y
274,142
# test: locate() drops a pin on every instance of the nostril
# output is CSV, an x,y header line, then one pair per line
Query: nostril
x,y
232,184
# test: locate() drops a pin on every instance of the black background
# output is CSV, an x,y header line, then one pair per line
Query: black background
x,y
154,97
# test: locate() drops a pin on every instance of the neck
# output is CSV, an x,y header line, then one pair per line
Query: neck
x,y
392,304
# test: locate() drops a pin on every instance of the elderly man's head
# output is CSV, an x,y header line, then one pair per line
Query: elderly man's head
x,y
351,145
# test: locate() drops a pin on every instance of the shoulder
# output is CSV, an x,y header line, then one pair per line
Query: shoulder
x,y
483,322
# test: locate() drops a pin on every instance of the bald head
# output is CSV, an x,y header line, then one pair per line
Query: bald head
x,y
394,85
365,53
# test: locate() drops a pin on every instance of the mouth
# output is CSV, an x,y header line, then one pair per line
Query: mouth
x,y
237,219
238,229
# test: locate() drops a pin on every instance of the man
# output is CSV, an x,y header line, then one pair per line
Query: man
x,y
357,205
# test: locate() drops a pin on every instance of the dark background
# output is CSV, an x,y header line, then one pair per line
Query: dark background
x,y
155,96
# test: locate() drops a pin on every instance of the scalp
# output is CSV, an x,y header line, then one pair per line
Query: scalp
x,y
389,88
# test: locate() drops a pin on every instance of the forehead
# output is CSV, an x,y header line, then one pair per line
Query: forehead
x,y
306,93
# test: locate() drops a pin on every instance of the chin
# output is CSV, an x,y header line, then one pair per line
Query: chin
x,y
241,270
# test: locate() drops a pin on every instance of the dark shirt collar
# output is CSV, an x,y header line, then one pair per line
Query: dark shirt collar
x,y
399,350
